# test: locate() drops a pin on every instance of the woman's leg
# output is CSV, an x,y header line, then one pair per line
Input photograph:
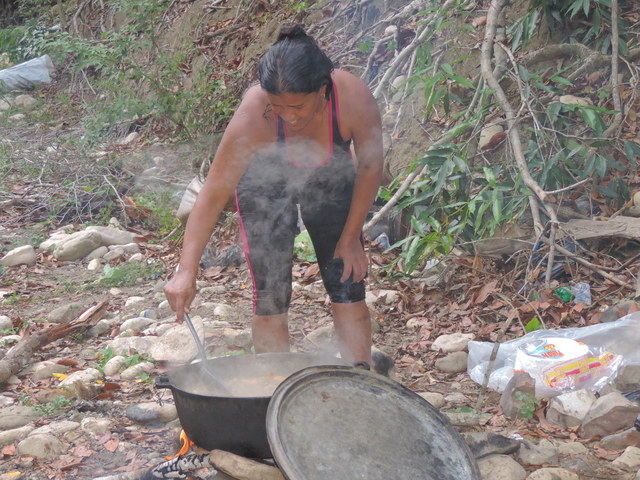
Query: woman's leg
x,y
352,323
270,333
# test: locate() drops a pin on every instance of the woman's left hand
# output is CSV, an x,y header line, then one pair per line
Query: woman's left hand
x,y
354,259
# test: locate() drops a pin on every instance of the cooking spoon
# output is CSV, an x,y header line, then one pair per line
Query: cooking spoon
x,y
203,356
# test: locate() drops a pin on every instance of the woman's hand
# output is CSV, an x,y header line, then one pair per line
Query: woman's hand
x,y
180,292
355,261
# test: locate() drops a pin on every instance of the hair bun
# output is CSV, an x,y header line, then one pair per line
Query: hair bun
x,y
291,31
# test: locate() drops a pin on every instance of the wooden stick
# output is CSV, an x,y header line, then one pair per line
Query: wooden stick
x,y
243,468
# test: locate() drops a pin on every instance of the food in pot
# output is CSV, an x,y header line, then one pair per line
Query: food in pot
x,y
262,385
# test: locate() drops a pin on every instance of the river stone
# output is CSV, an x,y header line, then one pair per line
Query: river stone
x,y
112,236
569,409
57,428
5,323
455,362
84,376
77,246
124,345
621,440
46,369
65,313
55,240
151,412
454,342
114,365
98,253
551,473
572,448
15,416
628,378
113,254
137,324
629,460
135,371
609,414
42,446
7,437
24,255
543,453
4,105
24,101
501,467
95,425
177,344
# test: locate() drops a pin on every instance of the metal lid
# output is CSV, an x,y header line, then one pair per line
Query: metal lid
x,y
345,423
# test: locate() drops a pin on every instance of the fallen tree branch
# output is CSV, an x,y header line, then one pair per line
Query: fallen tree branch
x,y
18,356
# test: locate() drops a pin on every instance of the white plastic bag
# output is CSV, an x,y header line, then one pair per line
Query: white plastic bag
x,y
609,346
27,75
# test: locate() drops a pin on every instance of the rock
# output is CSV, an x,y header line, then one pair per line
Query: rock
x,y
151,412
487,134
455,362
454,342
46,369
83,376
321,338
572,448
456,399
467,419
628,378
15,416
482,444
542,453
629,460
569,409
241,339
135,371
112,236
57,428
56,239
618,310
77,246
164,309
65,313
43,446
8,437
9,340
434,398
5,323
99,252
113,254
133,301
609,414
501,467
24,101
18,117
95,425
621,440
4,105
136,257
25,255
114,365
136,324
125,345
94,265
177,344
512,406
553,473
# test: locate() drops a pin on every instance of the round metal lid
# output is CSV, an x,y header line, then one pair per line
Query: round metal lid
x,y
345,423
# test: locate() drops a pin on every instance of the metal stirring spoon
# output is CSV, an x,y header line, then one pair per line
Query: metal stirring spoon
x,y
203,356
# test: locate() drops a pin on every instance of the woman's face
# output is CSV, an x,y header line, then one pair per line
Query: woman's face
x,y
298,109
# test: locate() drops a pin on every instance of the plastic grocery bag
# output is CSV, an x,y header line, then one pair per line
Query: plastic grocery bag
x,y
27,75
561,360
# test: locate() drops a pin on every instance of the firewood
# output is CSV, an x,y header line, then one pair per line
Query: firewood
x,y
16,358
242,468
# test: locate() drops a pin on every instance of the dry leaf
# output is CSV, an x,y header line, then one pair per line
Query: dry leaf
x,y
485,291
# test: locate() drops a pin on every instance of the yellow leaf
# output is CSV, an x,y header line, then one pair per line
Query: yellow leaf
x,y
60,376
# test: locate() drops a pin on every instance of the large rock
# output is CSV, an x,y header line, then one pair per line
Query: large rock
x,y
501,467
629,460
609,414
569,409
16,416
65,313
25,255
553,473
177,344
112,236
77,246
455,362
43,446
454,342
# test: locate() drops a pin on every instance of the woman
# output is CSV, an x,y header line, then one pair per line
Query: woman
x,y
288,144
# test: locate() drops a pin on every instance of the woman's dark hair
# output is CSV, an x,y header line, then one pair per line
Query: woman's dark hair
x,y
294,64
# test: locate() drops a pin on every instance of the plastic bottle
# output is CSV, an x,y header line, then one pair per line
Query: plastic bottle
x,y
564,294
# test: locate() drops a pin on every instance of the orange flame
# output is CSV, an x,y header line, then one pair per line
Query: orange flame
x,y
186,445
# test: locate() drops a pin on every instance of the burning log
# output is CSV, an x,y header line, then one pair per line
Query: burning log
x,y
19,356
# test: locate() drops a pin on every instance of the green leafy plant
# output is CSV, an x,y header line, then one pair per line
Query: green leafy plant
x,y
129,273
528,404
60,402
303,247
103,358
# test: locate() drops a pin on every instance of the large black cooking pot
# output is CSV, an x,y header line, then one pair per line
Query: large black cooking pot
x,y
236,424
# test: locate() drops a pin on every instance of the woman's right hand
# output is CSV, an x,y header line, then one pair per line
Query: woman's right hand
x,y
180,292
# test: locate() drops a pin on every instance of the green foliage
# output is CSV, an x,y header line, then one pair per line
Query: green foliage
x,y
303,247
60,402
365,45
129,273
161,218
528,404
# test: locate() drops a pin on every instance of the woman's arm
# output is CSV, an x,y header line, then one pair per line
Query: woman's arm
x,y
364,123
